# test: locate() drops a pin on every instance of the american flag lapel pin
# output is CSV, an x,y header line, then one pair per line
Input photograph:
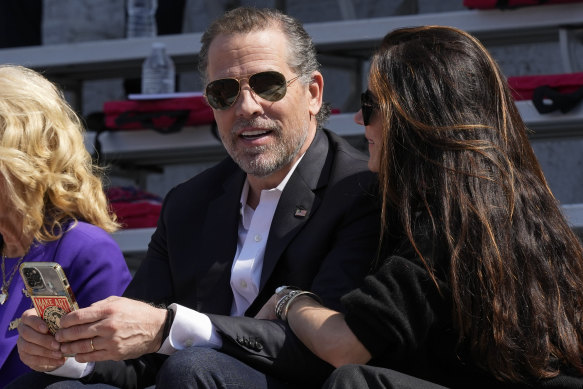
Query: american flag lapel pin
x,y
300,212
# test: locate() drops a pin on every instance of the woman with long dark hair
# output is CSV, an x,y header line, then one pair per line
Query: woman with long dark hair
x,y
481,279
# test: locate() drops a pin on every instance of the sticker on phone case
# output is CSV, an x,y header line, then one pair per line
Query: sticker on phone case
x,y
52,309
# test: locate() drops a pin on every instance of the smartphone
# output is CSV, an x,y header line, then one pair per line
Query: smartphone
x,y
50,291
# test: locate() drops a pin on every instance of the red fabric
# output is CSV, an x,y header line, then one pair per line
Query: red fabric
x,y
135,208
523,86
197,110
141,214
130,193
488,4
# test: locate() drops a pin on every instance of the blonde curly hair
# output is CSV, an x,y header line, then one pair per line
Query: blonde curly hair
x,y
48,174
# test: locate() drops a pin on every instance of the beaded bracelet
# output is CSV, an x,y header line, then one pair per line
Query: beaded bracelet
x,y
284,303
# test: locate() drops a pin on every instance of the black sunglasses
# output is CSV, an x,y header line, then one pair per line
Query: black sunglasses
x,y
271,86
367,106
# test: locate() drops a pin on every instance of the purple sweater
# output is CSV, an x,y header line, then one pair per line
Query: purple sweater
x,y
94,266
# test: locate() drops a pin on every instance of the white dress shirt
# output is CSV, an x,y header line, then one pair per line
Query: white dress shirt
x,y
254,228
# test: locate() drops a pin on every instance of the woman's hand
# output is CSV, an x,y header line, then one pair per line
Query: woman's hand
x,y
267,312
38,348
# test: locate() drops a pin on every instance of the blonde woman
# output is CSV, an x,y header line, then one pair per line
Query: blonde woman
x,y
52,208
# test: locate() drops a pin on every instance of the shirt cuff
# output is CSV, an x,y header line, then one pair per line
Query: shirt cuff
x,y
73,369
190,328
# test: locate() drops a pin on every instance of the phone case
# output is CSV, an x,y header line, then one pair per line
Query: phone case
x,y
49,290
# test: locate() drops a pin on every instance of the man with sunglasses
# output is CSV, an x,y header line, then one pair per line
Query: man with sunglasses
x,y
292,205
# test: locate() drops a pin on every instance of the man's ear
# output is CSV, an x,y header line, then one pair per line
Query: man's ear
x,y
316,91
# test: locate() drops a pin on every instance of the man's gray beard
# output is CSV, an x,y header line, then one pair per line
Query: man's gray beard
x,y
255,162
261,166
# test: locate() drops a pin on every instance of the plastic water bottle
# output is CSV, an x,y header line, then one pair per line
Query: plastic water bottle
x,y
158,74
141,20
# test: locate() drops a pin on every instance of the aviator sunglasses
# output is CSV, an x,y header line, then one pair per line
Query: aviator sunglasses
x,y
367,106
271,86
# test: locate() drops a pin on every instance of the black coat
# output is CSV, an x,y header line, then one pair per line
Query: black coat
x,y
327,251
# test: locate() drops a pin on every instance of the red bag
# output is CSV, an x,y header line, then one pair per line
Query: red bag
x,y
164,115
549,92
488,4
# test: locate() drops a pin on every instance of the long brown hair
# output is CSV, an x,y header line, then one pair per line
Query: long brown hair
x,y
456,149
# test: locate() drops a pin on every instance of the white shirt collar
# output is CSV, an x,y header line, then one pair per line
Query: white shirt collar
x,y
280,187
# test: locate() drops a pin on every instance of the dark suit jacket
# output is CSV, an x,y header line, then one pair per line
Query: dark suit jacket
x,y
327,251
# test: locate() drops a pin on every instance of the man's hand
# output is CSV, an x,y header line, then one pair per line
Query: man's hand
x,y
37,348
116,328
